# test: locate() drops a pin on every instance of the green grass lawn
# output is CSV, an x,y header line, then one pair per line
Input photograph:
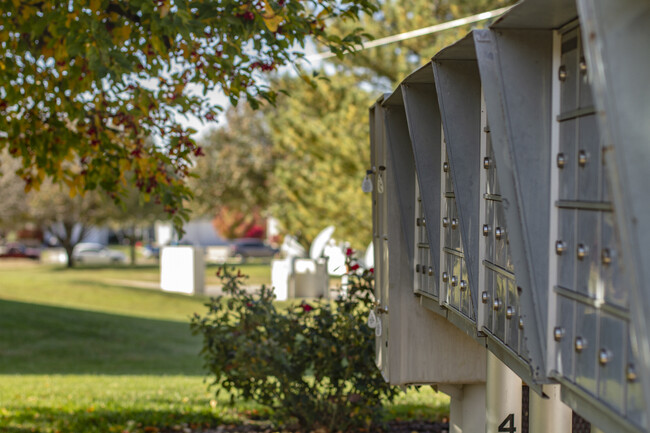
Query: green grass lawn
x,y
79,353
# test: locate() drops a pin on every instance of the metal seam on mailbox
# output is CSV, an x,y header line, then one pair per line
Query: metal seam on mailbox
x,y
492,197
584,205
454,252
574,114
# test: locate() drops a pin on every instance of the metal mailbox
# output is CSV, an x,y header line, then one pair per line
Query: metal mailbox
x,y
515,166
452,357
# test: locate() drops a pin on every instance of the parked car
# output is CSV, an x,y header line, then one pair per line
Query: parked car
x,y
19,251
93,253
150,252
245,248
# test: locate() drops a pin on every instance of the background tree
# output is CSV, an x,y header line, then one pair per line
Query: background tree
x,y
385,66
67,216
132,215
13,206
86,81
235,173
320,143
320,134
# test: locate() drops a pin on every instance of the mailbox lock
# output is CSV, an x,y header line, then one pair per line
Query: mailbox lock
x,y
496,305
582,251
430,271
582,158
463,285
445,277
445,221
604,356
486,162
445,167
606,256
498,232
580,344
583,65
486,229
630,373
510,311
559,247
485,297
424,270
521,323
561,160
417,268
454,280
561,73
424,222
558,333
454,223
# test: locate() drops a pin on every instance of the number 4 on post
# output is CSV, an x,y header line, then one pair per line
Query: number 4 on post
x,y
508,424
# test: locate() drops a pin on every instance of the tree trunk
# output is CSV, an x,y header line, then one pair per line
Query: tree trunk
x,y
132,244
68,249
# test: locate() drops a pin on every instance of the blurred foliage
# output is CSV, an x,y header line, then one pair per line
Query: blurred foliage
x,y
385,66
83,83
320,143
232,182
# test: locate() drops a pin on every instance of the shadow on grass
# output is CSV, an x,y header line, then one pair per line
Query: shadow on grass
x,y
119,419
40,339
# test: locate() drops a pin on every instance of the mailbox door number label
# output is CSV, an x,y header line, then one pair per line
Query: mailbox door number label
x,y
508,424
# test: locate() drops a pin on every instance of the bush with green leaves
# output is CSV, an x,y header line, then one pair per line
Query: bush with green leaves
x,y
311,364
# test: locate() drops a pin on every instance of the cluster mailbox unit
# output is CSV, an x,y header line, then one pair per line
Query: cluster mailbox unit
x,y
511,221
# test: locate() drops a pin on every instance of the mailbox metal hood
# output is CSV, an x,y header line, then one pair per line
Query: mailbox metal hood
x,y
513,63
538,14
461,50
458,87
422,75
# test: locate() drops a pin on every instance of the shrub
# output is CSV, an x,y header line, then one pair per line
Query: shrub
x,y
312,364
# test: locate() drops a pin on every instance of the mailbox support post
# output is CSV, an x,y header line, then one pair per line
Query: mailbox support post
x,y
503,397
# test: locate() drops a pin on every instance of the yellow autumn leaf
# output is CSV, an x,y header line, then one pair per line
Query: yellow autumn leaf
x,y
73,191
95,5
271,19
164,9
122,33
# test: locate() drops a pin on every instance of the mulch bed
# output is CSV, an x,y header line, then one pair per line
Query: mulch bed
x,y
393,427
